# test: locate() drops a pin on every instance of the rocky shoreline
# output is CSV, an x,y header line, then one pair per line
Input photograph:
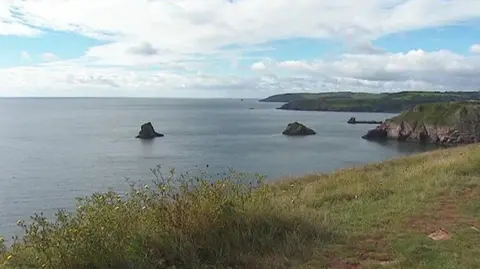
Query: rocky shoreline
x,y
423,134
452,124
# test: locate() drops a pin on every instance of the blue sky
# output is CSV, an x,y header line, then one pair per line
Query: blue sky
x,y
172,48
65,45
456,38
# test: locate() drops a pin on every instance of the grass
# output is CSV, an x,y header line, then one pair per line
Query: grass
x,y
375,216
437,114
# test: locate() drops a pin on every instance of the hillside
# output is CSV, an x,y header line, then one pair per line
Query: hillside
x,y
367,102
289,97
421,212
443,123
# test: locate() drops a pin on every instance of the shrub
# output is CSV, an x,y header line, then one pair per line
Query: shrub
x,y
175,223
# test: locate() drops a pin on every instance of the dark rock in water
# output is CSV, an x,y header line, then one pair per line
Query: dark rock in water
x,y
148,132
298,129
376,134
353,120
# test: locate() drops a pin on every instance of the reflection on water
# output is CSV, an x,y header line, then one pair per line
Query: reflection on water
x,y
408,147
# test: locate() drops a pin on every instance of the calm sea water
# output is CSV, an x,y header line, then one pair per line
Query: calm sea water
x,y
53,150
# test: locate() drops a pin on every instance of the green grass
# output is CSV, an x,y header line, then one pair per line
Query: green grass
x,y
375,216
437,114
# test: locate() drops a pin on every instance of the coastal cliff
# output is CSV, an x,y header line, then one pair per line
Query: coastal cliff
x,y
440,123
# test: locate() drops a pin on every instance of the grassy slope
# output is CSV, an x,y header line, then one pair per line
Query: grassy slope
x,y
437,114
377,216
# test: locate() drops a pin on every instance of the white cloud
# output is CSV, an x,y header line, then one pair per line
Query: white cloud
x,y
181,37
203,25
475,48
417,68
49,57
11,25
258,66
72,78
25,56
414,70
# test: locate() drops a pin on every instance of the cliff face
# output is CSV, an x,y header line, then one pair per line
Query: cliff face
x,y
462,126
421,133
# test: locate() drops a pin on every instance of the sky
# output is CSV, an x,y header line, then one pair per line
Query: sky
x,y
236,48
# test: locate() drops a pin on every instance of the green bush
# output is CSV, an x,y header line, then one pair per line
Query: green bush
x,y
175,223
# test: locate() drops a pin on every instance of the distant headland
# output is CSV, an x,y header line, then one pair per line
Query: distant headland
x,y
367,102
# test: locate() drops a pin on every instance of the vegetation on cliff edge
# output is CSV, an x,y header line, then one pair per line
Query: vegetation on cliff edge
x,y
439,114
375,216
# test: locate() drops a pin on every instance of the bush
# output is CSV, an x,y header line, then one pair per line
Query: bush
x,y
176,223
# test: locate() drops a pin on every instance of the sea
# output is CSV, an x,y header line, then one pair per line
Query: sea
x,y
53,150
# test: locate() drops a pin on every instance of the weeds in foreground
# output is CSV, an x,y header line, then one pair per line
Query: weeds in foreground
x,y
175,223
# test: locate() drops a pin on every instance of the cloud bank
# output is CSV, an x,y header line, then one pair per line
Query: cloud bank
x,y
168,47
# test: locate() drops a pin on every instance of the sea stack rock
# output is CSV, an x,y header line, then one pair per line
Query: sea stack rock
x,y
298,129
148,132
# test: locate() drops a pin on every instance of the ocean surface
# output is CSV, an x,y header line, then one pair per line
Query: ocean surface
x,y
55,149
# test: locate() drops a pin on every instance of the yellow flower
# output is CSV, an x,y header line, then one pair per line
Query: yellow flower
x,y
9,257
